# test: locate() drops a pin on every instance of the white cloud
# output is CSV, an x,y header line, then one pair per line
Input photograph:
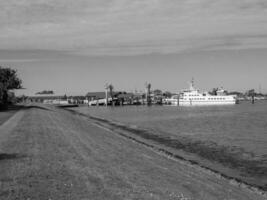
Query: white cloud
x,y
137,26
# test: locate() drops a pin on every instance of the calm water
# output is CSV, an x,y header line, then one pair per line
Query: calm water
x,y
242,126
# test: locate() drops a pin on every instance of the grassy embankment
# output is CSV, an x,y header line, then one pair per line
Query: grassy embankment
x,y
8,112
229,162
47,153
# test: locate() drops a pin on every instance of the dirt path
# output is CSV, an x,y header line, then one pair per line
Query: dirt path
x,y
47,153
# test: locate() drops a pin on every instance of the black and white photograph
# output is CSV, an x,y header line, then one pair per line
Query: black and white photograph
x,y
133,100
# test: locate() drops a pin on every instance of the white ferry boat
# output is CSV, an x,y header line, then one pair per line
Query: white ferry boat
x,y
193,97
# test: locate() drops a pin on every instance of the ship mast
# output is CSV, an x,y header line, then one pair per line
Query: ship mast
x,y
191,88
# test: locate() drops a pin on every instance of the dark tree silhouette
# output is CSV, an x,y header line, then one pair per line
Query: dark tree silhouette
x,y
167,94
111,88
46,92
251,93
8,80
157,92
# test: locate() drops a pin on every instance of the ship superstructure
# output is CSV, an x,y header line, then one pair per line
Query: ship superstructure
x,y
193,97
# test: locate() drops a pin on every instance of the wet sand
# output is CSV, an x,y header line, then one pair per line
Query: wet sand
x,y
51,153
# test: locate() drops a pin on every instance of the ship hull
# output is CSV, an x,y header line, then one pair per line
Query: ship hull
x,y
205,103
201,103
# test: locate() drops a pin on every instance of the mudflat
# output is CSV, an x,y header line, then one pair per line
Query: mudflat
x,y
50,153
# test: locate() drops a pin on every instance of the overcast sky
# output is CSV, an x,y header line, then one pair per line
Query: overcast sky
x,y
77,46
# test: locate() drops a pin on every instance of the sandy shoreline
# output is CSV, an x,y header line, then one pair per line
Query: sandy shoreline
x,y
51,153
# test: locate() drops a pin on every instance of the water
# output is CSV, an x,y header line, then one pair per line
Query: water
x,y
242,126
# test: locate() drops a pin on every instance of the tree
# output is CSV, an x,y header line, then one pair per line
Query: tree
x,y
157,92
9,80
65,97
148,88
46,92
251,93
167,94
109,87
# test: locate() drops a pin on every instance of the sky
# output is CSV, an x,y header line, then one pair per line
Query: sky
x,y
73,47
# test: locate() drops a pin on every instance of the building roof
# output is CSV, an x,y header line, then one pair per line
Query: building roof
x,y
46,96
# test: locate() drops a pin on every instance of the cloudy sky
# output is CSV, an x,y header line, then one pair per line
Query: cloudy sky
x,y
77,46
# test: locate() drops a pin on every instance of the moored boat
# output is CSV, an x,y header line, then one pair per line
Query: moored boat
x,y
193,97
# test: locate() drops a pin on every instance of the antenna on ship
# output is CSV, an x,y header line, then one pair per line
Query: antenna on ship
x,y
192,84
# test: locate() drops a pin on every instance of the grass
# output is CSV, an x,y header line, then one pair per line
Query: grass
x,y
235,163
8,112
53,154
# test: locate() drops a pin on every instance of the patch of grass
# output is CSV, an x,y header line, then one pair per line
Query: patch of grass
x,y
5,115
229,157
